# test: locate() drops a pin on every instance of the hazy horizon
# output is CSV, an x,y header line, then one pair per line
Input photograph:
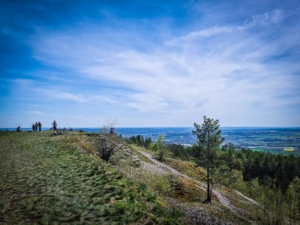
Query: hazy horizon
x,y
99,127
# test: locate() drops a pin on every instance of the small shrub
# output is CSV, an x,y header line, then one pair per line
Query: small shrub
x,y
162,185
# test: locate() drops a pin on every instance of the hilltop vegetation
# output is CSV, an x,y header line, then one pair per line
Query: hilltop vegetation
x,y
62,179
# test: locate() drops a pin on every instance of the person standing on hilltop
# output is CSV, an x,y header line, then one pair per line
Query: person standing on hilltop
x,y
54,125
36,126
40,126
33,127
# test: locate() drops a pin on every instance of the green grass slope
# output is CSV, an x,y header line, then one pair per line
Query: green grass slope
x,y
54,180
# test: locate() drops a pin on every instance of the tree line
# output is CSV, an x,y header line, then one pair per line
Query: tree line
x,y
139,140
280,169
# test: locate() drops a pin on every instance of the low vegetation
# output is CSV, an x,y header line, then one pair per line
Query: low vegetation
x,y
48,179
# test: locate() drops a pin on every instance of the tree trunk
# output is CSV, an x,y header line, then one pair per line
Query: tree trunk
x,y
210,192
208,199
208,185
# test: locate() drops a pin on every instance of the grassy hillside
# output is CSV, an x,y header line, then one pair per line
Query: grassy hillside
x,y
47,179
54,179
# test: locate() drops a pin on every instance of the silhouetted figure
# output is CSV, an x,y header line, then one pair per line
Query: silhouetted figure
x,y
36,126
40,126
54,125
19,129
33,127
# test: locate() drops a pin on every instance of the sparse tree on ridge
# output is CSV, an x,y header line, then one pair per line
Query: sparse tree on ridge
x,y
159,147
148,142
107,143
209,139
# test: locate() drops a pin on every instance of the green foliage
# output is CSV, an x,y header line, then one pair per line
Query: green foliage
x,y
159,147
293,199
280,168
184,153
273,207
163,185
208,135
140,141
209,139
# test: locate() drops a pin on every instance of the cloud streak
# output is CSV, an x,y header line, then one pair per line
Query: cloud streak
x,y
61,95
262,20
35,112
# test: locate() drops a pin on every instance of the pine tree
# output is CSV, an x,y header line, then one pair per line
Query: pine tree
x,y
209,139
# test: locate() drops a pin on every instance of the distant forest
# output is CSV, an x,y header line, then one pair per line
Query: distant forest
x,y
275,170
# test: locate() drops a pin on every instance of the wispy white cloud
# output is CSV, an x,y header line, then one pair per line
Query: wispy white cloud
x,y
267,18
67,96
213,70
74,97
262,20
35,112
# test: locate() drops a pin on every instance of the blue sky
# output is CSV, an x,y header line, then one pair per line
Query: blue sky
x,y
149,63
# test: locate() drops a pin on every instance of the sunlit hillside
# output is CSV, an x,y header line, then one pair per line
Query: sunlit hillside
x,y
62,179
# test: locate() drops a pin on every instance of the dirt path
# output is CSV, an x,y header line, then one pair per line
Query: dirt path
x,y
245,197
221,198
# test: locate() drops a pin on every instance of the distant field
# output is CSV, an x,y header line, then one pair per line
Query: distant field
x,y
277,151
